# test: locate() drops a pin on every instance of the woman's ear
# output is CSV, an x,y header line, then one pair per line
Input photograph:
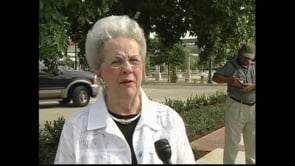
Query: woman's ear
x,y
98,75
97,72
100,79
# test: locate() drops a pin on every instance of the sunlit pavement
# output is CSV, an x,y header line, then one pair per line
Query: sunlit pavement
x,y
214,142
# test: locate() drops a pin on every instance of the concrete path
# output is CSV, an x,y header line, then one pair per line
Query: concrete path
x,y
214,142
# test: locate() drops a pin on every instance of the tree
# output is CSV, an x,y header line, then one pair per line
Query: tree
x,y
52,38
171,55
64,19
220,25
176,55
81,16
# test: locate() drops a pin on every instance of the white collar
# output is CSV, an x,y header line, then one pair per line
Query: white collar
x,y
99,117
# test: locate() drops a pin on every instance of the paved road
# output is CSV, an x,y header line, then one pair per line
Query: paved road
x,y
182,91
51,110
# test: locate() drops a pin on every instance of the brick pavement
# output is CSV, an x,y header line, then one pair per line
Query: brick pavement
x,y
214,142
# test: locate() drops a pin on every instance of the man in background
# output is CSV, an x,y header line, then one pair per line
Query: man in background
x,y
239,74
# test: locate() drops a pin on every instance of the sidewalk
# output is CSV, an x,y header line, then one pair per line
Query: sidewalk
x,y
214,142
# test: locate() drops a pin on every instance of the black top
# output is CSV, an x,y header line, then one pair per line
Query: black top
x,y
127,130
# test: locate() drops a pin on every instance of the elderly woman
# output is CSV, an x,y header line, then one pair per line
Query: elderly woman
x,y
122,126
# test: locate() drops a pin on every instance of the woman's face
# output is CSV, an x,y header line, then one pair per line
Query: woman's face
x,y
122,69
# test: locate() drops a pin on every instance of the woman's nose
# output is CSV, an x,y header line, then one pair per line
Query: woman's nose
x,y
126,67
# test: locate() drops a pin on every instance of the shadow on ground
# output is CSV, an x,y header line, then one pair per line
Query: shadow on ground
x,y
55,105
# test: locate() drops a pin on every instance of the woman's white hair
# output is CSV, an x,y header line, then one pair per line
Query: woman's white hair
x,y
106,29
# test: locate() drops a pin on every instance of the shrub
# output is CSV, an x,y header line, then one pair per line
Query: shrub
x,y
48,140
206,118
200,113
194,102
173,77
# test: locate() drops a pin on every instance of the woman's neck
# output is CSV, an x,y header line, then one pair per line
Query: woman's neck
x,y
123,105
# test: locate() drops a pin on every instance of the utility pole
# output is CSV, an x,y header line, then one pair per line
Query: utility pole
x,y
210,70
189,68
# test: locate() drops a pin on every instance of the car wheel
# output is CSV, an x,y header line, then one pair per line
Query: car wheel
x,y
64,101
81,96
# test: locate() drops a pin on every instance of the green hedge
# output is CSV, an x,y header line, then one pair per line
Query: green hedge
x,y
200,120
48,140
200,113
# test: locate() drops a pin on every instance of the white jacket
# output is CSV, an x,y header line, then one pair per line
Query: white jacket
x,y
90,136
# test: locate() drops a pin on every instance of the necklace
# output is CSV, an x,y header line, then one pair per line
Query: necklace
x,y
125,121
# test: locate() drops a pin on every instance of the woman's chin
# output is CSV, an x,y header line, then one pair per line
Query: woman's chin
x,y
130,91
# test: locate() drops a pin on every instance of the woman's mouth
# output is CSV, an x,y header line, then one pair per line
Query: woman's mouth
x,y
126,82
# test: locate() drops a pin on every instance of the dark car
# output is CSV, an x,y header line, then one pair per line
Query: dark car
x,y
67,85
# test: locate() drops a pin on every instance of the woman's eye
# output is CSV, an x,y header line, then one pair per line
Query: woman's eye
x,y
134,60
116,61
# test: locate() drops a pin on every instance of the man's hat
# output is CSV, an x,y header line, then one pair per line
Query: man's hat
x,y
248,51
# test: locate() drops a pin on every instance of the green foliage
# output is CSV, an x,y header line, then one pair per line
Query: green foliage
x,y
61,20
184,65
48,140
172,55
168,22
200,120
147,66
221,26
67,62
200,113
52,32
173,76
155,49
196,101
176,104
